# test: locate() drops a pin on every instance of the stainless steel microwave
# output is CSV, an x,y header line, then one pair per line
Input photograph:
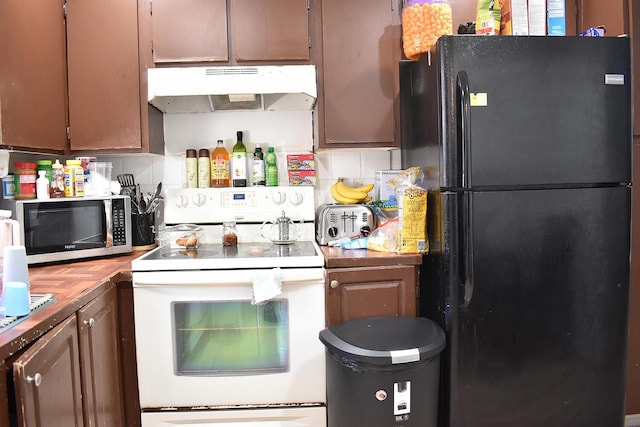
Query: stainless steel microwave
x,y
74,228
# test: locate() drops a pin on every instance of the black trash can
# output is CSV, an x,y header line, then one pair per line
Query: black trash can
x,y
383,371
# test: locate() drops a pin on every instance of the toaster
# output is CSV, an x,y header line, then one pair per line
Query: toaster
x,y
334,221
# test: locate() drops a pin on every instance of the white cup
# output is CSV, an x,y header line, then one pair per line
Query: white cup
x,y
14,265
15,299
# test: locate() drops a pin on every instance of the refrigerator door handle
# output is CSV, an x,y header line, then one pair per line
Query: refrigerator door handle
x,y
464,130
464,135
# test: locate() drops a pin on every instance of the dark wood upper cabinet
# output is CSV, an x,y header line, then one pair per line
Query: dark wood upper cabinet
x,y
269,30
33,75
104,75
361,49
230,31
189,31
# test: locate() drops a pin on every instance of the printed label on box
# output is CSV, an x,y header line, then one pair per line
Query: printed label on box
x,y
301,162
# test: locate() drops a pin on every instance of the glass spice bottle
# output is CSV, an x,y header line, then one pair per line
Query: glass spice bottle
x,y
229,234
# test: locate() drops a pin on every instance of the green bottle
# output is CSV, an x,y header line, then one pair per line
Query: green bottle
x,y
239,163
271,166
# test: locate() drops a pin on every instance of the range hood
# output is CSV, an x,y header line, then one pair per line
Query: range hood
x,y
209,89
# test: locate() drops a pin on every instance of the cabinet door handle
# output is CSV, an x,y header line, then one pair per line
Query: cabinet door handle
x,y
334,284
90,322
36,379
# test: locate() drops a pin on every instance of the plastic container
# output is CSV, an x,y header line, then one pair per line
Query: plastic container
x,y
192,169
181,236
383,371
57,180
8,187
42,185
24,178
100,178
74,179
45,165
423,22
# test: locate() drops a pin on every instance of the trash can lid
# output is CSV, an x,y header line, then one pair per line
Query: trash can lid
x,y
385,340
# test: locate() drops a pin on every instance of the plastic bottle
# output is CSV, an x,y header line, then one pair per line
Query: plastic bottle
x,y
220,166
204,169
271,168
258,170
74,179
192,169
239,162
42,185
57,180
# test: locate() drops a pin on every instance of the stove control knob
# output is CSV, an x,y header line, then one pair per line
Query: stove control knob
x,y
333,231
278,197
296,199
182,201
199,199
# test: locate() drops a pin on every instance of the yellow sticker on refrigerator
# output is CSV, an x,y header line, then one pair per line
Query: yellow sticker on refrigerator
x,y
478,99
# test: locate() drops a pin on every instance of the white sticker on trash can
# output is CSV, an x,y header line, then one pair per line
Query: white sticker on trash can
x,y
401,397
405,356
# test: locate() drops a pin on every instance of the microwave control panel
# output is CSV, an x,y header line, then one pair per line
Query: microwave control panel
x,y
118,222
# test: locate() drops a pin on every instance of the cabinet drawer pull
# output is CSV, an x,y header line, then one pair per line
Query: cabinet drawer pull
x,y
334,284
36,379
89,322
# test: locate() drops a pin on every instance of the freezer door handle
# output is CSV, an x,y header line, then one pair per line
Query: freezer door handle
x,y
464,129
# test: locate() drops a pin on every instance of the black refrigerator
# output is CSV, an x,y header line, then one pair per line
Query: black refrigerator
x,y
526,147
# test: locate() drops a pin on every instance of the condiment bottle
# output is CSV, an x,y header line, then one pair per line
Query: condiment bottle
x,y
258,170
229,234
57,180
220,166
74,179
42,185
239,162
271,167
204,169
192,169
24,178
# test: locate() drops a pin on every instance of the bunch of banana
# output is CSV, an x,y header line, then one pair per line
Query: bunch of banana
x,y
346,195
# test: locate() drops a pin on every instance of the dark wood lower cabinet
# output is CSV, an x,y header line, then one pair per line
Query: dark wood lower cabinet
x,y
359,292
47,380
71,376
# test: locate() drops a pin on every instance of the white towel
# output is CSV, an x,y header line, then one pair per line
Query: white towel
x,y
266,286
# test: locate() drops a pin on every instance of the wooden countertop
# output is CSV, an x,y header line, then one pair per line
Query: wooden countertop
x,y
72,285
340,258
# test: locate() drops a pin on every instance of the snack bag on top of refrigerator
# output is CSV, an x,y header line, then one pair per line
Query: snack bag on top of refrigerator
x,y
488,17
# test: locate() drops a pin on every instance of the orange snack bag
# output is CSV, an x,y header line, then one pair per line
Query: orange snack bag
x,y
423,22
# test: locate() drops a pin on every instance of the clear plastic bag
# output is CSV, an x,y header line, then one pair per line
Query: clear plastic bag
x,y
423,22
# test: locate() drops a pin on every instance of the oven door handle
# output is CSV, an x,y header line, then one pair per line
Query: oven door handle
x,y
290,277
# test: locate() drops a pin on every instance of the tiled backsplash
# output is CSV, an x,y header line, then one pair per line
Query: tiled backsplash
x,y
357,167
287,131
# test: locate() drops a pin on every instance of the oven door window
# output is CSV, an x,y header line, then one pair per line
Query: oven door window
x,y
230,337
64,226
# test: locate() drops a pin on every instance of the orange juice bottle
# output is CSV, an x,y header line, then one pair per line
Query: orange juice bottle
x,y
220,166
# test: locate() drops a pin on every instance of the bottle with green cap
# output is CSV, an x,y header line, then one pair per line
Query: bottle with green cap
x,y
271,166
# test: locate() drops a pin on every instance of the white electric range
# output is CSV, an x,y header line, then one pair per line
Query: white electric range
x,y
229,334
